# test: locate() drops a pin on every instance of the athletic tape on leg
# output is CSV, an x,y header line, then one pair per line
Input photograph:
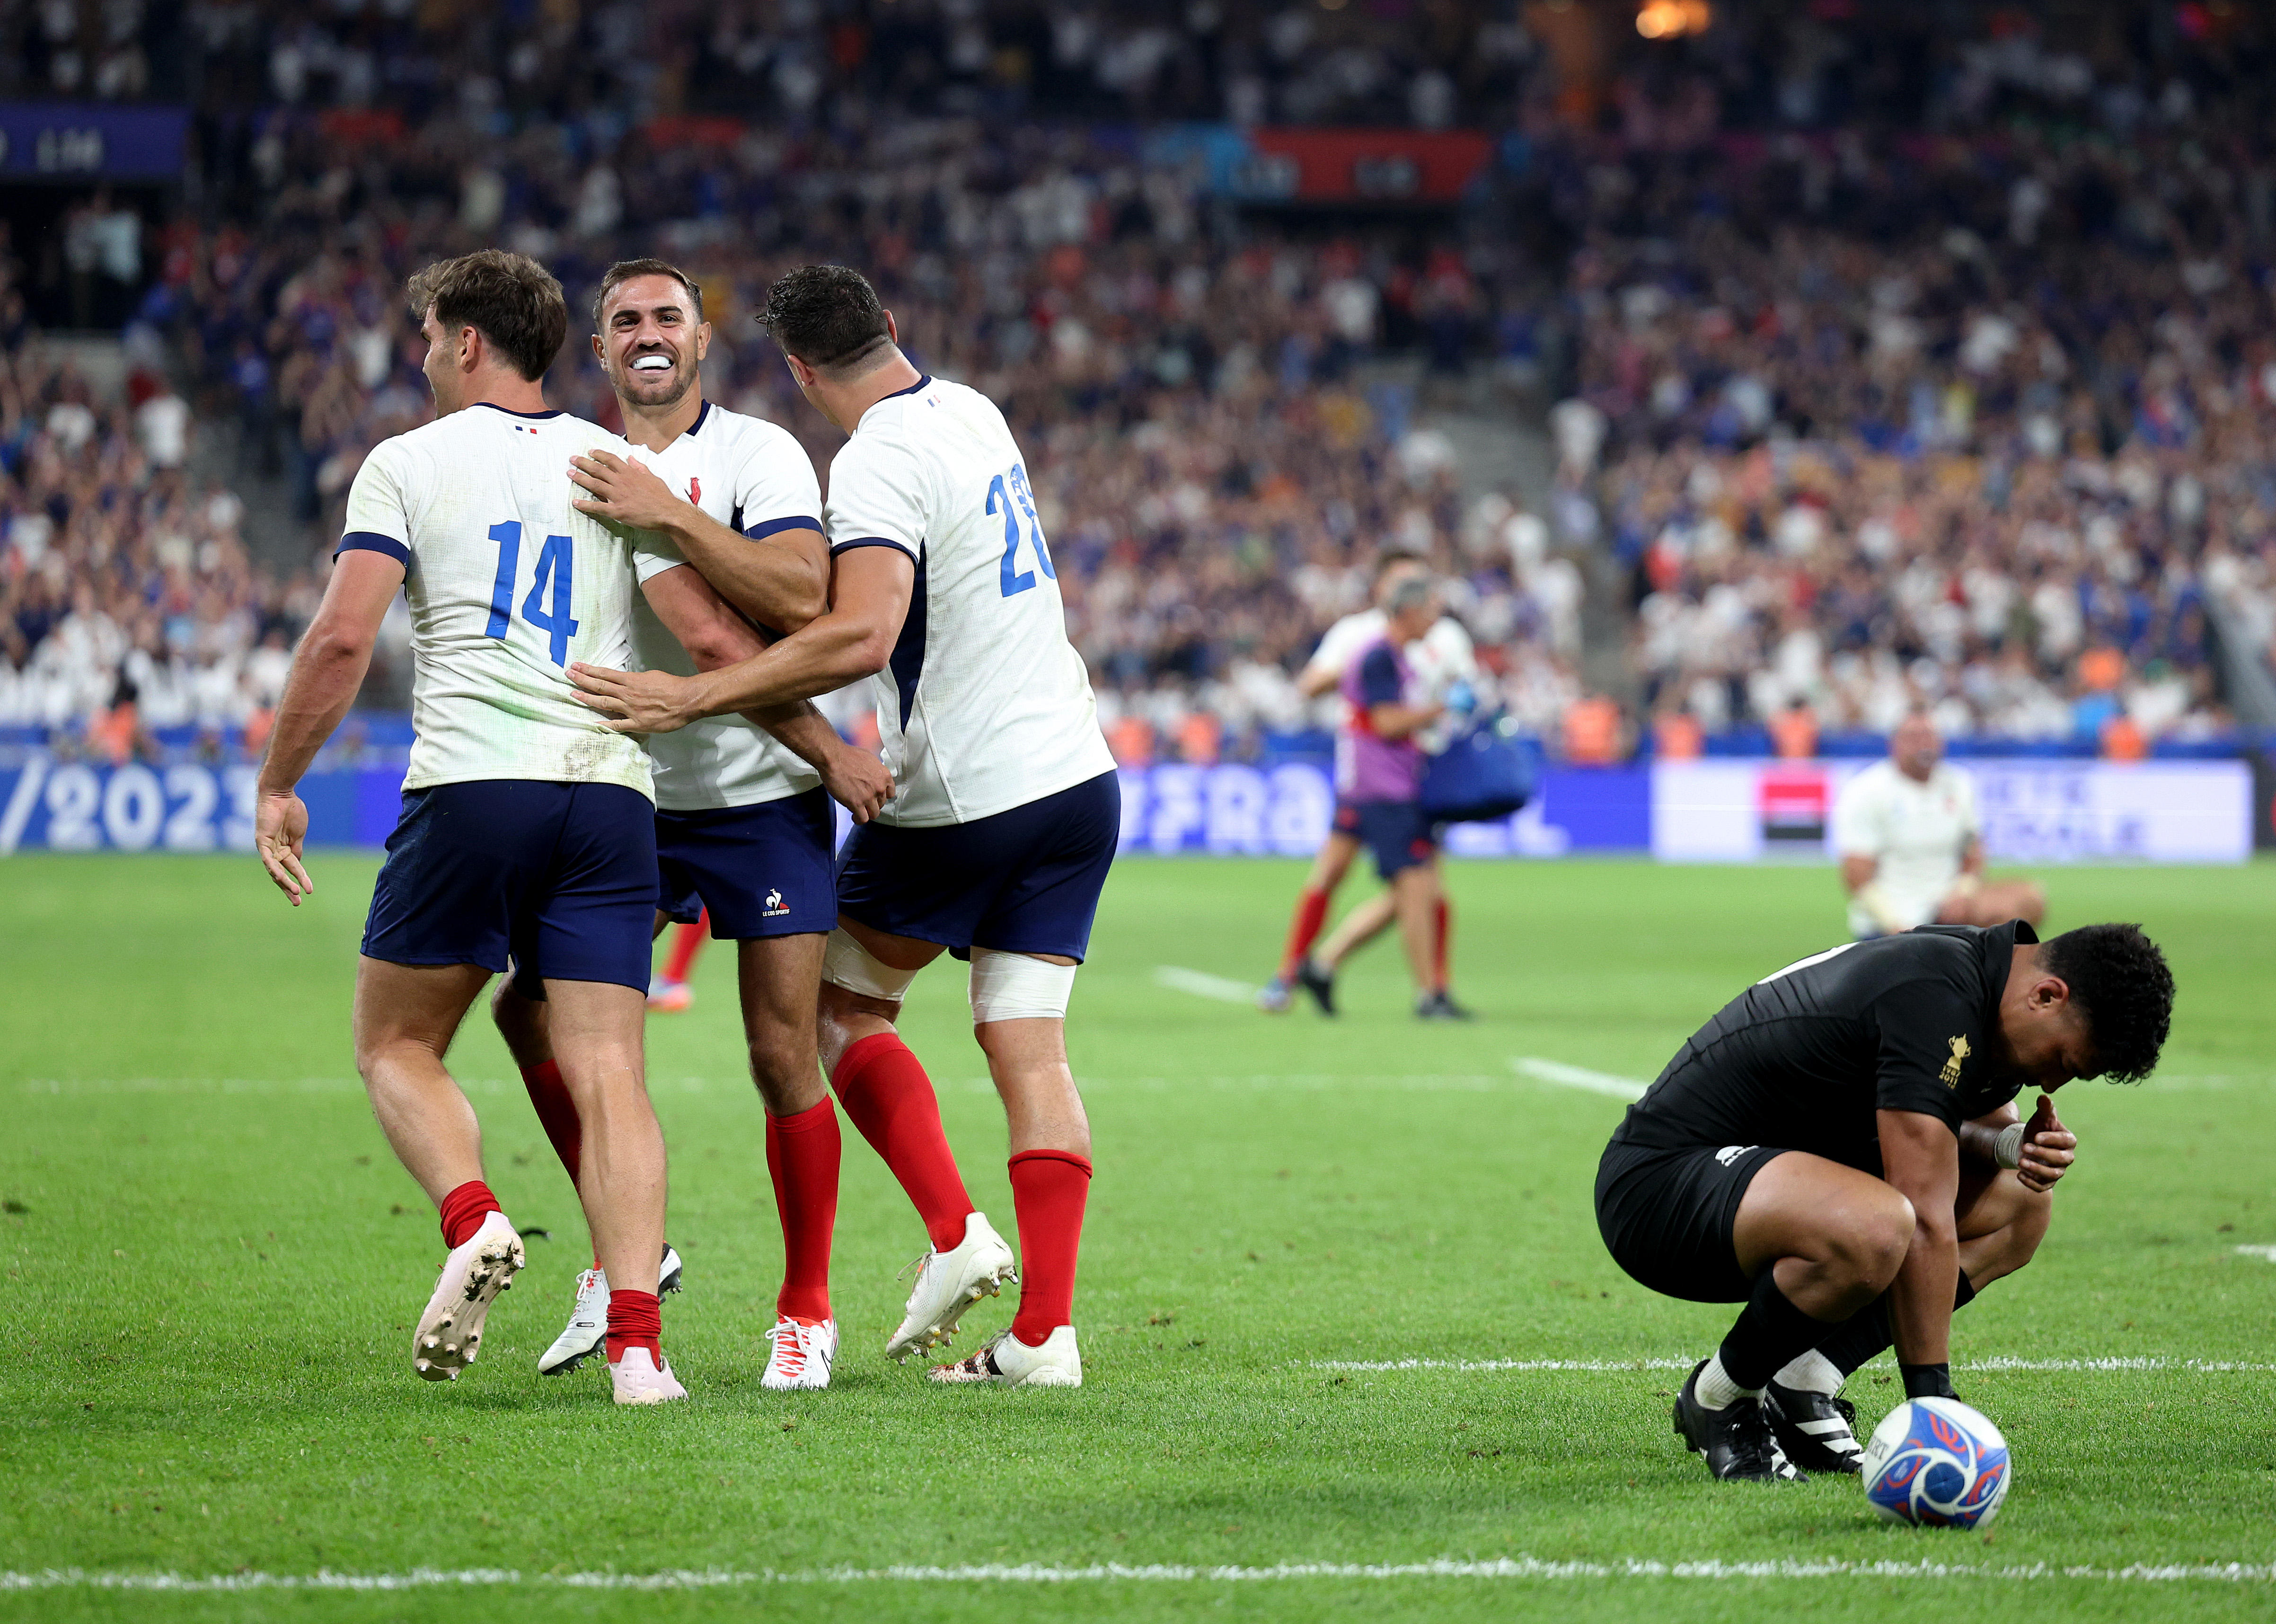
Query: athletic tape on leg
x,y
846,963
1015,986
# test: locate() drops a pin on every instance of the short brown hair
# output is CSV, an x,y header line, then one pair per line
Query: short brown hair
x,y
509,299
624,270
828,316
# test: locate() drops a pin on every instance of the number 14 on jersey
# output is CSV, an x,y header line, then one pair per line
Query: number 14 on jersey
x,y
554,564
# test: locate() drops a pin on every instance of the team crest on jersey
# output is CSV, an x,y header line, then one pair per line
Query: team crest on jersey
x,y
1950,1076
695,490
775,906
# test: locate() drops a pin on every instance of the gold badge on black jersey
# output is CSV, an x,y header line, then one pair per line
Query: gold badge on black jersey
x,y
1950,1076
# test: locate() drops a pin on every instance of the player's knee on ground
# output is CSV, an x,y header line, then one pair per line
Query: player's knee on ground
x,y
1016,987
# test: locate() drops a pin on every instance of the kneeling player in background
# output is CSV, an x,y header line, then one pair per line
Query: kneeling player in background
x,y
1912,845
1839,1150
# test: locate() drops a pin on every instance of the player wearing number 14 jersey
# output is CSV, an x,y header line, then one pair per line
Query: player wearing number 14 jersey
x,y
527,833
998,840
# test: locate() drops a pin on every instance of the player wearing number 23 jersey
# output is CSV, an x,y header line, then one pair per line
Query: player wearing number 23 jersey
x,y
985,706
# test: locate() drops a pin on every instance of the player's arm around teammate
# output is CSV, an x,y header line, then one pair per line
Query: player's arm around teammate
x,y
651,343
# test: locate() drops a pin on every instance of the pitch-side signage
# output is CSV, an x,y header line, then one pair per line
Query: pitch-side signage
x,y
2034,811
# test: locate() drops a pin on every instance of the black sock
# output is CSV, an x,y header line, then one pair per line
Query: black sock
x,y
1771,1330
1865,1334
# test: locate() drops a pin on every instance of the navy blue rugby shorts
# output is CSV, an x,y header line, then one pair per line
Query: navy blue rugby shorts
x,y
760,870
1023,881
559,877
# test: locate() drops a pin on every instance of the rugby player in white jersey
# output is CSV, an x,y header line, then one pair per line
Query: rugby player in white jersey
x,y
1447,665
528,834
743,824
999,836
1912,845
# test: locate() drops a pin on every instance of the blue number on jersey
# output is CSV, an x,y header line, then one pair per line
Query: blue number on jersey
x,y
1035,525
508,537
1012,503
553,562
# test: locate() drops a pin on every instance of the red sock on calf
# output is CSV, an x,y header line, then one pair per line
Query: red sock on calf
x,y
888,1098
1303,930
464,1209
556,1113
802,1157
1049,1188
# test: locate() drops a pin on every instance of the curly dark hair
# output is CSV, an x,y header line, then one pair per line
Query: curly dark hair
x,y
2118,979
828,316
509,299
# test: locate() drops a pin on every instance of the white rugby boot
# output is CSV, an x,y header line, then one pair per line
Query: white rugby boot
x,y
449,1331
802,1355
1007,1362
950,1282
638,1380
589,1320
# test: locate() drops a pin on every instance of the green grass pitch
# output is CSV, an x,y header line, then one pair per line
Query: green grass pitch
x,y
211,1262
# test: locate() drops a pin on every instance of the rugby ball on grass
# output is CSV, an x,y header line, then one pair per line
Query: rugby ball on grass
x,y
1937,1464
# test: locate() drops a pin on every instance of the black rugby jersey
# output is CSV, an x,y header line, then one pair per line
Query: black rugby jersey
x,y
1803,1059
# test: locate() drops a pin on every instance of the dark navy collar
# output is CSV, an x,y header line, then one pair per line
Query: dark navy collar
x,y
924,381
510,412
702,413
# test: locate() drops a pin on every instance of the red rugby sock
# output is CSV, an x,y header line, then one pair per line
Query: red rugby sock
x,y
886,1093
635,1320
802,1153
687,942
1303,930
556,1113
1441,922
464,1209
1048,1191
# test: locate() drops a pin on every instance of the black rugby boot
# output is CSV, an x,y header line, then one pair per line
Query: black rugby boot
x,y
1817,1430
1321,983
1736,1440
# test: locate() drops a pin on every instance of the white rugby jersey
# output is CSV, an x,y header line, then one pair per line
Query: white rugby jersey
x,y
1917,832
1440,658
508,587
755,479
985,705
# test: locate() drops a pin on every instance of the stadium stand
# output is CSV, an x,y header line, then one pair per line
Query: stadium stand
x,y
1847,454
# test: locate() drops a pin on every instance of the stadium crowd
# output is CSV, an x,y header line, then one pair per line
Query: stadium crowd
x,y
1885,396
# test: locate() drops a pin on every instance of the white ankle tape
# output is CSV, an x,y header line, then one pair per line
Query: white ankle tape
x,y
846,963
1015,986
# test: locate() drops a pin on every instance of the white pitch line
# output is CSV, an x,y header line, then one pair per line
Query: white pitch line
x,y
2108,1364
1201,984
1580,1077
2268,1252
1117,1572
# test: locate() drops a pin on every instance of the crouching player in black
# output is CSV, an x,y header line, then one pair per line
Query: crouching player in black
x,y
1839,1150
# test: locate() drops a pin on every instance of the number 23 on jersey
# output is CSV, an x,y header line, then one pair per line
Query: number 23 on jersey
x,y
1008,494
555,566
